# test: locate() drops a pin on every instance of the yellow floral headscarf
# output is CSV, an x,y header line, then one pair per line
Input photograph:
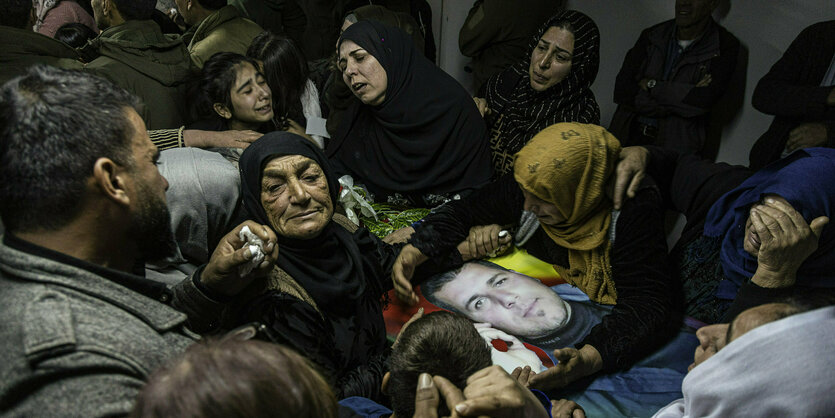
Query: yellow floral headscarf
x,y
568,165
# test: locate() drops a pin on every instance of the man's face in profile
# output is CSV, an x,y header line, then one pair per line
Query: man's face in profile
x,y
150,223
713,338
514,303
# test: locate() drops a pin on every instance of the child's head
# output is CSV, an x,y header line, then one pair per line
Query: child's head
x,y
234,89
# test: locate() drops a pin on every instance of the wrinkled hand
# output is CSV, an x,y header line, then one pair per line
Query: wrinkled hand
x,y
481,104
427,396
220,139
403,270
221,273
705,80
629,173
401,235
786,240
712,338
493,392
483,241
523,375
573,364
415,317
566,408
807,135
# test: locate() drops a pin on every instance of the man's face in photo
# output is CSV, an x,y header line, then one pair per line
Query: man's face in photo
x,y
514,303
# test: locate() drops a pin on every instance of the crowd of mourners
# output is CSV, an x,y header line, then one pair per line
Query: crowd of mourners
x,y
189,188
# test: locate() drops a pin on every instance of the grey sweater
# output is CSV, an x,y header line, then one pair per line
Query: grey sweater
x,y
80,340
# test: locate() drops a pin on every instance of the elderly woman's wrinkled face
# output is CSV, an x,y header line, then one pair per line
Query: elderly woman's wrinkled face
x,y
295,195
362,73
551,58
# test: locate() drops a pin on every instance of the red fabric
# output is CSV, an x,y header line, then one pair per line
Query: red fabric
x,y
501,345
397,313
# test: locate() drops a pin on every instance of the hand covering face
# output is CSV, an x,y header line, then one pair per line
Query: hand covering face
x,y
805,180
568,165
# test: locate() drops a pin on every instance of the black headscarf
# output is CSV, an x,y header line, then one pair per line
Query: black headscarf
x,y
328,266
426,136
526,111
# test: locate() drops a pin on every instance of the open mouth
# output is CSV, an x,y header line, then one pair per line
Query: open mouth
x,y
358,86
267,108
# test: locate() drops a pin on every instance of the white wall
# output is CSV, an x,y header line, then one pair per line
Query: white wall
x,y
765,28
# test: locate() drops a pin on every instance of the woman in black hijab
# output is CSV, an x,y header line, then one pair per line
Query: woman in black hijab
x,y
552,85
324,296
416,136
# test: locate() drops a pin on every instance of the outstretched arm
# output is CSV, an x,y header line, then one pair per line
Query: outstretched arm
x,y
199,295
448,226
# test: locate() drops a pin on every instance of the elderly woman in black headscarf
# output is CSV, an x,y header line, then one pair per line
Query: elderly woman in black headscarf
x,y
324,296
415,137
552,85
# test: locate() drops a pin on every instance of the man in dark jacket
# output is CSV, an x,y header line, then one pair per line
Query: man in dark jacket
x,y
671,79
84,204
799,91
134,54
21,48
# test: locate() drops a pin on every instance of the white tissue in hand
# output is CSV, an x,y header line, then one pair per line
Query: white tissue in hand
x,y
256,248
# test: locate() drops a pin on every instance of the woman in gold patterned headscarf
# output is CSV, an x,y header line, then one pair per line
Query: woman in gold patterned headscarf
x,y
563,173
617,258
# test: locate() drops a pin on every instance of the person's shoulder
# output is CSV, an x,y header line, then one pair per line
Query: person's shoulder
x,y
53,321
825,26
659,29
241,26
726,38
103,62
819,30
57,354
